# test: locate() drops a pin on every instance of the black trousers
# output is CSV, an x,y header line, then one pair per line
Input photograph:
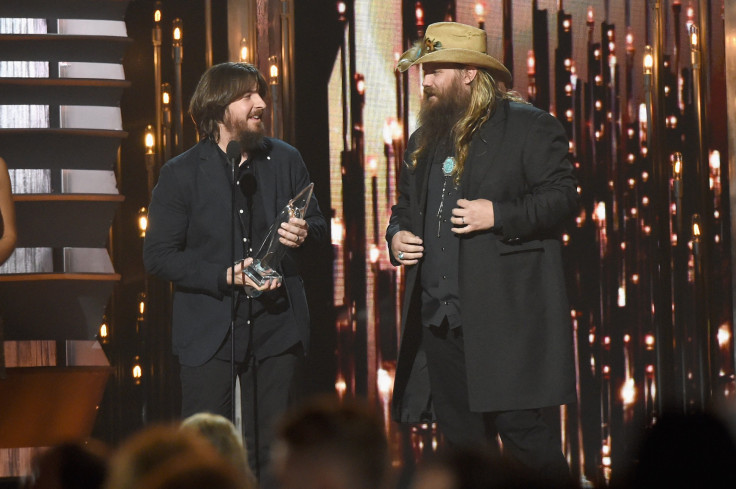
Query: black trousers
x,y
526,438
207,388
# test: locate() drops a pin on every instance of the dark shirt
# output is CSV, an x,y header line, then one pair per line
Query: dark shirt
x,y
440,290
269,313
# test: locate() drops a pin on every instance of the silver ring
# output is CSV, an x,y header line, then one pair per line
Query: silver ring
x,y
463,218
401,255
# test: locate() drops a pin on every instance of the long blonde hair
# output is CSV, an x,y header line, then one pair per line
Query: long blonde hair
x,y
485,95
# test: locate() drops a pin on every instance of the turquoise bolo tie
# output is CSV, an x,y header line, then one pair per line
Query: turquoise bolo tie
x,y
448,168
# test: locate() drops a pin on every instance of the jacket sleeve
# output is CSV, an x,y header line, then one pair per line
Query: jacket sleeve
x,y
401,211
552,189
165,250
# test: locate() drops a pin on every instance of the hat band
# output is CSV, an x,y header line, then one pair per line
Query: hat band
x,y
430,45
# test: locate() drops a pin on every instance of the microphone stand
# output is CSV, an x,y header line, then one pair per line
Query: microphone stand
x,y
249,188
253,360
234,161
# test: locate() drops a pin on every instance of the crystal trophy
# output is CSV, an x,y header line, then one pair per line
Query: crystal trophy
x,y
271,251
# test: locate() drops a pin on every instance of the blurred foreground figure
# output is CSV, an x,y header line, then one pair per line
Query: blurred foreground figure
x,y
69,466
152,449
685,451
326,444
475,468
224,436
191,472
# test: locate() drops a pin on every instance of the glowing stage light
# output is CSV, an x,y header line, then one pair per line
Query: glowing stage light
x,y
628,392
648,60
142,221
178,32
724,335
149,139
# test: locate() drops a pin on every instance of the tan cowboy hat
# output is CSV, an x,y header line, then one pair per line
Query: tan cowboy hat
x,y
450,42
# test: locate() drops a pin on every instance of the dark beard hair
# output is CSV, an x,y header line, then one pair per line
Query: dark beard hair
x,y
436,119
251,141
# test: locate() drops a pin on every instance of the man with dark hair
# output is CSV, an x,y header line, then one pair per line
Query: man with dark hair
x,y
484,188
332,444
192,230
69,465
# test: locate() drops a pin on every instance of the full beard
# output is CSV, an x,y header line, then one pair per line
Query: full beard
x,y
251,141
438,116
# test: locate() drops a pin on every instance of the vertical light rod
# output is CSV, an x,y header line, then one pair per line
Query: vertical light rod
x,y
177,52
208,33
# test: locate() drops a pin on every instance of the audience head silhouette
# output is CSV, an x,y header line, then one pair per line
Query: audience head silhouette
x,y
476,467
224,436
194,472
70,465
150,450
329,444
686,450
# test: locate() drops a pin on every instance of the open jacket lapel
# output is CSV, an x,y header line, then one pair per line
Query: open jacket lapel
x,y
265,172
484,148
214,174
421,175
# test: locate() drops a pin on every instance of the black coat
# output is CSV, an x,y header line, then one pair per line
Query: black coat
x,y
515,315
187,240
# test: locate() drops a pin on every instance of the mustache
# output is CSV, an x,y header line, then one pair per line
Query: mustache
x,y
429,92
256,113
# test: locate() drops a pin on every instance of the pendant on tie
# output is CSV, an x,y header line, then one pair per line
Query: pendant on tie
x,y
448,168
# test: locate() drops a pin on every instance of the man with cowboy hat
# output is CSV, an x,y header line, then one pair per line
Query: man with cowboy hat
x,y
485,186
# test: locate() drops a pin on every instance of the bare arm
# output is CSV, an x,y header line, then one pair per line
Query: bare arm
x,y
7,211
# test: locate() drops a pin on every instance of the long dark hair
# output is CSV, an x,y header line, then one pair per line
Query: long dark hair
x,y
218,87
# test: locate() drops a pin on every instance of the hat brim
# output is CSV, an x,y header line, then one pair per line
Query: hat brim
x,y
464,57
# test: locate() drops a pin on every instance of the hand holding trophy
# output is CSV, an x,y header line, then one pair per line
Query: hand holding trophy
x,y
271,251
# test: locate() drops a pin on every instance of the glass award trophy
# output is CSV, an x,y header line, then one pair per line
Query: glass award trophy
x,y
271,251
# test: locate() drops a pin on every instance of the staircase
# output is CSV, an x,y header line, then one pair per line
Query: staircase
x,y
61,80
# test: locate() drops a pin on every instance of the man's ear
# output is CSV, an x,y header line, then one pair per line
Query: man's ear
x,y
469,74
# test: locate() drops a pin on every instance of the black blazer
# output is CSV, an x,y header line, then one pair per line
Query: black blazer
x,y
187,240
514,309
